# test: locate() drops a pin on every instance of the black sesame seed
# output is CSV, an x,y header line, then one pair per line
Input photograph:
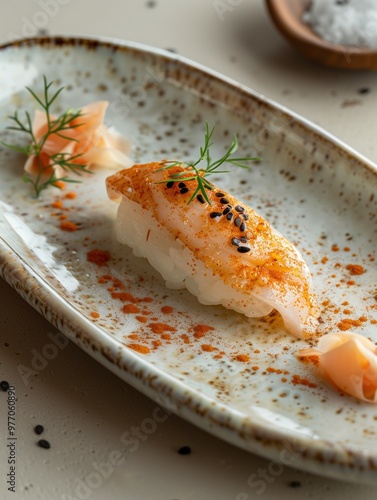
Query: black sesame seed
x,y
38,429
243,249
184,190
200,198
213,215
224,201
295,484
237,221
220,195
236,242
245,216
242,226
181,185
170,184
229,216
185,450
239,209
227,210
364,90
4,385
243,239
44,444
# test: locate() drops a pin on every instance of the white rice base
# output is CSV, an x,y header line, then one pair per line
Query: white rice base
x,y
352,23
137,228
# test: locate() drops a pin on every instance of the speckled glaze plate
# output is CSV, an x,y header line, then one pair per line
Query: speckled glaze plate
x,y
234,377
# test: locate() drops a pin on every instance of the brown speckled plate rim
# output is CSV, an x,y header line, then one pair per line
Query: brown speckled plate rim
x,y
315,455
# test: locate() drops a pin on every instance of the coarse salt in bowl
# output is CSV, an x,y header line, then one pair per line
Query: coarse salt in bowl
x,y
344,22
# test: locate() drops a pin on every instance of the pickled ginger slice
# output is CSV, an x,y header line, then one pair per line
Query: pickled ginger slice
x,y
349,362
85,140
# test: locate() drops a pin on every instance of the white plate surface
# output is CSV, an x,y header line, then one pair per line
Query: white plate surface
x,y
239,378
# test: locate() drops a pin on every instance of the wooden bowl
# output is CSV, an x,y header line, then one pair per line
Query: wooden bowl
x,y
287,16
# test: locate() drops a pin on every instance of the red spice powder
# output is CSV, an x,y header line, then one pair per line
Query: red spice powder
x,y
134,336
128,297
59,184
277,370
94,314
185,338
156,343
141,349
335,248
311,359
142,319
355,269
200,330
167,309
68,226
166,336
297,380
57,204
347,323
71,195
243,358
117,284
98,257
124,297
62,217
207,347
161,328
130,309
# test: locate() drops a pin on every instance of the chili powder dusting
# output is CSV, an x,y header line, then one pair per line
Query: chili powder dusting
x,y
68,226
98,257
141,349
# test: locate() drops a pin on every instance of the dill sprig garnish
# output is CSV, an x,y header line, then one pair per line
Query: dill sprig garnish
x,y
195,172
46,175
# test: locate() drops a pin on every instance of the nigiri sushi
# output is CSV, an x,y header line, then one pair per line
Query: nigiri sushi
x,y
220,249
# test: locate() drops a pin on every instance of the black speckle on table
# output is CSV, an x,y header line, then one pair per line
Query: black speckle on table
x,y
38,429
295,484
4,385
43,443
184,450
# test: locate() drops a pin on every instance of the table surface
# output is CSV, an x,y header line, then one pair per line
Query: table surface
x,y
85,409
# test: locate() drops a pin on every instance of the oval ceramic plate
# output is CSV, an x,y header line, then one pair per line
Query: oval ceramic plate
x,y
234,377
